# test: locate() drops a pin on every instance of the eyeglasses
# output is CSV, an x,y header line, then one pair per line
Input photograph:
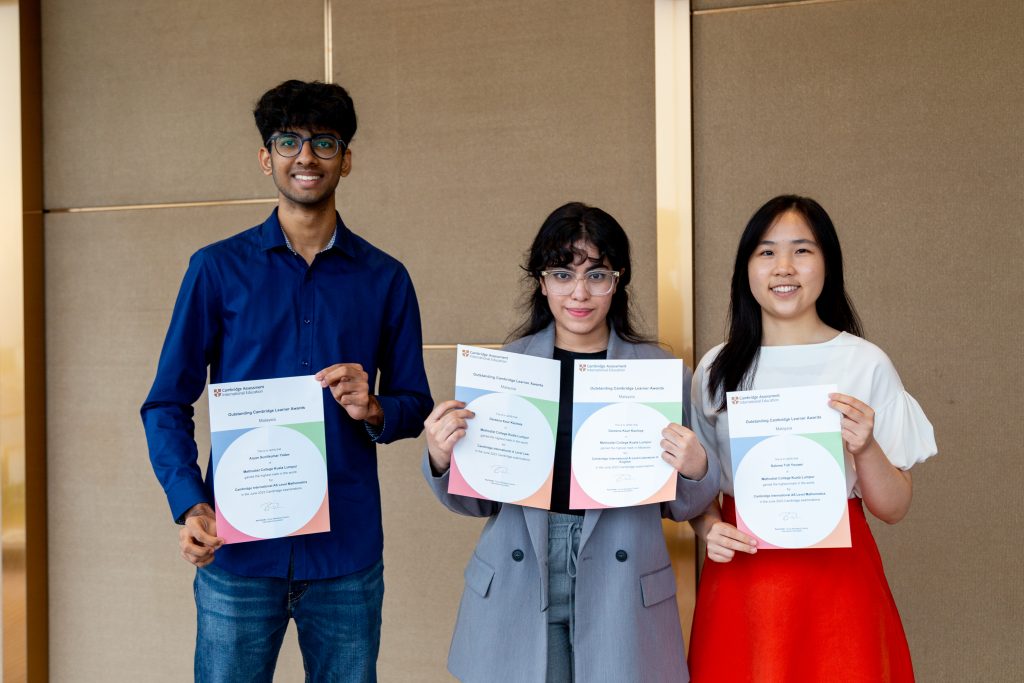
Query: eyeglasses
x,y
597,282
290,144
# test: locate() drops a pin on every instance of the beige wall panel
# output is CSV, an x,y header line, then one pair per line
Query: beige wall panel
x,y
120,597
477,119
903,119
149,101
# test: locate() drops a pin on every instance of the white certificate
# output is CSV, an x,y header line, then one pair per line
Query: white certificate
x,y
788,470
269,458
508,452
620,408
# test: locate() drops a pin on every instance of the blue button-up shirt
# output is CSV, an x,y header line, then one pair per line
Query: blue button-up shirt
x,y
250,308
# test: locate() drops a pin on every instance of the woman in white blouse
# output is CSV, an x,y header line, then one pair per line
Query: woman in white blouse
x,y
812,614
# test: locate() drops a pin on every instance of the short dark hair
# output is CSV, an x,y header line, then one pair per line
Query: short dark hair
x,y
555,247
734,366
315,105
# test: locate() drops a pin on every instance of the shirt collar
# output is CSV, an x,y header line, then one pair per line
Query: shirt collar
x,y
330,243
272,235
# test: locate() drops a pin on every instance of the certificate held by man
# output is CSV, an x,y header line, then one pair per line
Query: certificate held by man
x,y
508,452
788,467
269,458
620,408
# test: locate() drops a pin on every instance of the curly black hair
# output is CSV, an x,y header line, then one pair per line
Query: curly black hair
x,y
315,106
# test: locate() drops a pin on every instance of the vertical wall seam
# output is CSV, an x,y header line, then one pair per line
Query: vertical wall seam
x,y
328,44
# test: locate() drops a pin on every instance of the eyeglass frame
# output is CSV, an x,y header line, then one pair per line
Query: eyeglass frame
x,y
615,274
269,144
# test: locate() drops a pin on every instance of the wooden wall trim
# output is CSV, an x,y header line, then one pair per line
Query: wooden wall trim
x,y
24,561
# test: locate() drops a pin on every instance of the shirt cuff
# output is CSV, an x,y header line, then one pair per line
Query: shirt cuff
x,y
376,432
388,430
184,495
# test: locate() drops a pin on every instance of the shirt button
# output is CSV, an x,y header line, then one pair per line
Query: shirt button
x,y
305,363
307,321
517,555
621,555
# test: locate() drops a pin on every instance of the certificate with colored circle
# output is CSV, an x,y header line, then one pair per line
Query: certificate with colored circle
x,y
508,452
789,472
269,458
620,409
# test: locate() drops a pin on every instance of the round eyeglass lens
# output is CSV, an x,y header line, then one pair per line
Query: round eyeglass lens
x,y
287,145
324,146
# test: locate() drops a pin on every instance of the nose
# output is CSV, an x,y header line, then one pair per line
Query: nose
x,y
580,292
305,155
784,264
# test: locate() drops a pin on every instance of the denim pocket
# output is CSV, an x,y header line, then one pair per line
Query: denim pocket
x,y
658,586
479,575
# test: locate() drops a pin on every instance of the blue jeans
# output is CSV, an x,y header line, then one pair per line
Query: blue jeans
x,y
563,546
242,621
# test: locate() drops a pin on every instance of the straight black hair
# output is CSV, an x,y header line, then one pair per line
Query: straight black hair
x,y
734,366
557,246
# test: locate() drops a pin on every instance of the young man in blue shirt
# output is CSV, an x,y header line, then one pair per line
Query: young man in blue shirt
x,y
298,295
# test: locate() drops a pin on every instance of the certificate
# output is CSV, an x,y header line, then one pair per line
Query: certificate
x,y
788,470
508,453
620,408
269,458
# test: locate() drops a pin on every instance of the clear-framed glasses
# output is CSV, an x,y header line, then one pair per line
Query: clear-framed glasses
x,y
323,145
597,282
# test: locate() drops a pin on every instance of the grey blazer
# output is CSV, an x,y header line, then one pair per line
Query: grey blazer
x,y
626,622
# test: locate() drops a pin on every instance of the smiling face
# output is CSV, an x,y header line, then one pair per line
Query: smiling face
x,y
786,274
580,317
305,180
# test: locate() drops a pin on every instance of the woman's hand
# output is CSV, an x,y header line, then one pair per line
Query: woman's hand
x,y
445,425
885,489
684,452
724,541
858,422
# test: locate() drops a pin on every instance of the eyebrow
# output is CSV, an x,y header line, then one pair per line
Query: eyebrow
x,y
799,241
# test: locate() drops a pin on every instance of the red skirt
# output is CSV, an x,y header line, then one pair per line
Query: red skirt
x,y
799,616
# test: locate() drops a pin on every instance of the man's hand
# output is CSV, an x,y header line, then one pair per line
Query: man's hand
x,y
350,386
198,538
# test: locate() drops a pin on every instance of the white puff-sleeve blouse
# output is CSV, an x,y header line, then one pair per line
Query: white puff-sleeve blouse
x,y
857,367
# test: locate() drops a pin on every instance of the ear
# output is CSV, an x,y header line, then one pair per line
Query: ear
x,y
543,288
346,162
266,164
